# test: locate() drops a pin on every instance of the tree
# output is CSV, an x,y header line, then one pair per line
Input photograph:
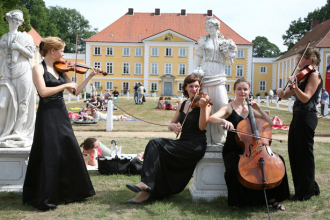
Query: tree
x,y
263,48
300,27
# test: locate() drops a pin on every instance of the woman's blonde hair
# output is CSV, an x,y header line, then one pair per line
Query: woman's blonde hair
x,y
312,53
49,43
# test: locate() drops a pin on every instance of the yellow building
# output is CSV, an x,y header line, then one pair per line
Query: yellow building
x,y
263,75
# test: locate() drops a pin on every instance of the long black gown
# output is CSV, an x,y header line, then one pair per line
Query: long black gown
x,y
169,164
239,195
56,171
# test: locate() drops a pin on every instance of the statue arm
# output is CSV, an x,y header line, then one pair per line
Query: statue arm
x,y
26,51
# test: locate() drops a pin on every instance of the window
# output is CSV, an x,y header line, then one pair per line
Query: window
x,y
168,68
239,70
182,52
138,52
154,68
154,52
180,87
109,51
228,88
97,64
125,86
97,50
168,52
138,69
97,85
228,70
263,69
125,51
125,68
74,79
262,86
109,66
108,85
240,54
154,86
182,69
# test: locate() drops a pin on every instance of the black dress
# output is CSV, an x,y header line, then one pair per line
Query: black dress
x,y
169,164
239,195
56,171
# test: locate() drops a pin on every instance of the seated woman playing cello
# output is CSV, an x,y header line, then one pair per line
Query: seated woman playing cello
x,y
230,115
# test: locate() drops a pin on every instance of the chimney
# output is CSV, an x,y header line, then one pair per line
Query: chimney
x,y
130,11
157,12
209,13
314,23
183,12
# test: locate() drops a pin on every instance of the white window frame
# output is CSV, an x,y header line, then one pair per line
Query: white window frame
x,y
126,51
182,65
154,66
97,85
128,68
138,52
228,88
137,68
97,51
180,84
239,68
260,85
154,51
108,50
108,85
168,67
154,83
240,54
122,85
107,66
261,71
228,70
182,52
97,64
168,52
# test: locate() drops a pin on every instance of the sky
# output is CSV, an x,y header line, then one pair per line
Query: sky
x,y
249,18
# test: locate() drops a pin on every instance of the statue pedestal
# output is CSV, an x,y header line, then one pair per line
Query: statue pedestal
x,y
13,165
209,181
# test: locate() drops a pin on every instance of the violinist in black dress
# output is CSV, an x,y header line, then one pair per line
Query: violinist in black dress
x,y
169,164
229,116
302,127
56,170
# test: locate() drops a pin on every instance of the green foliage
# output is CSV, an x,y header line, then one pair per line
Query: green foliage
x,y
266,93
300,27
258,94
263,48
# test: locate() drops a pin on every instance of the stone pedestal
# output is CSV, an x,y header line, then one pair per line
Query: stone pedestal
x,y
13,164
209,182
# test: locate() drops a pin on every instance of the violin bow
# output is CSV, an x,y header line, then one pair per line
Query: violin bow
x,y
75,66
294,70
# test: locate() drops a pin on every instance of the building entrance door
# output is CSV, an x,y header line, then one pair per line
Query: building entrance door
x,y
167,88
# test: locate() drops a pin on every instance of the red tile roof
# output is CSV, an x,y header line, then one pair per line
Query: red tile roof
x,y
319,36
36,37
134,28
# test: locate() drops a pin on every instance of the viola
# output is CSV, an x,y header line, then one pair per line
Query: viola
x,y
197,97
259,168
67,65
302,75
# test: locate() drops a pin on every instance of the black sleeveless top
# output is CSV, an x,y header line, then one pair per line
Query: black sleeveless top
x,y
310,106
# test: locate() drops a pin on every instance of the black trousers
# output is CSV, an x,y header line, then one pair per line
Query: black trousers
x,y
300,148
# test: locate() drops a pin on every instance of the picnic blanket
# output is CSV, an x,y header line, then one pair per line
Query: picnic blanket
x,y
278,124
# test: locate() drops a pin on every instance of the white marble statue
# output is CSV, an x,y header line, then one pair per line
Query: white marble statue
x,y
17,92
214,50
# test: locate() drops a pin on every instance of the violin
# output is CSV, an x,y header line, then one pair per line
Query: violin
x,y
259,168
195,102
67,65
302,75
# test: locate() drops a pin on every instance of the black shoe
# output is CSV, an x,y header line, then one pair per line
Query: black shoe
x,y
137,189
131,201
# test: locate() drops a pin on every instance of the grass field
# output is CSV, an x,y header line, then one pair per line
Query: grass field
x,y
111,191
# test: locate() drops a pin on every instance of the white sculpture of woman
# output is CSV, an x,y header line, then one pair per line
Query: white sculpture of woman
x,y
214,50
17,92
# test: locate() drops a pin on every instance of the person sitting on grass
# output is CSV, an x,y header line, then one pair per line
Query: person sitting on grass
x,y
161,104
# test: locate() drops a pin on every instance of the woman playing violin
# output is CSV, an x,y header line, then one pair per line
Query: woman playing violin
x,y
229,116
169,164
302,127
56,171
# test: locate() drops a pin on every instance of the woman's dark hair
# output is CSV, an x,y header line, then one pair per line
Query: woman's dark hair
x,y
241,80
312,53
88,143
190,79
